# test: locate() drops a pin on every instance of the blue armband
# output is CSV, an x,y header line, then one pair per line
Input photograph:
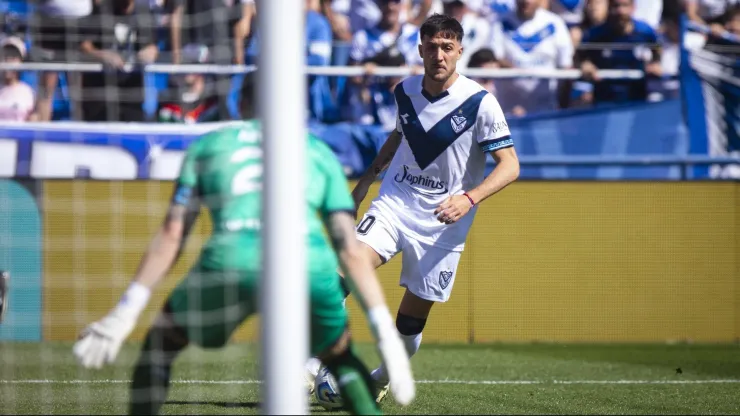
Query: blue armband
x,y
496,144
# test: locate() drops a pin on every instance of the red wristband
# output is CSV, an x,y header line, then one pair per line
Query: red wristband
x,y
472,203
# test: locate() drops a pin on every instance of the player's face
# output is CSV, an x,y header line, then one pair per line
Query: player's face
x,y
440,55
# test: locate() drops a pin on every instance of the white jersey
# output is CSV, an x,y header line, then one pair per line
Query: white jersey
x,y
571,11
477,32
442,153
540,42
370,42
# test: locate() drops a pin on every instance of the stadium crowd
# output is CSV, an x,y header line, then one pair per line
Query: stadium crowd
x,y
545,34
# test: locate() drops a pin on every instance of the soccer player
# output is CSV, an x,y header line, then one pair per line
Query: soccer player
x,y
436,161
222,170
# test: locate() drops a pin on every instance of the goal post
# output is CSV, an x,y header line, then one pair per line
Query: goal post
x,y
284,287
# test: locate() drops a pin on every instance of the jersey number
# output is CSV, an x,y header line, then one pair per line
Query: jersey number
x,y
366,224
248,178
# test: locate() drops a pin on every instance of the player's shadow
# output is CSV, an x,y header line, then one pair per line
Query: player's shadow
x,y
228,405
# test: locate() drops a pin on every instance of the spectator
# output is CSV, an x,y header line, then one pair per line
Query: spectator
x,y
594,14
222,25
375,103
116,33
572,13
484,58
494,10
388,33
709,12
367,14
621,28
723,41
670,55
531,37
190,98
476,29
337,12
318,53
54,28
16,97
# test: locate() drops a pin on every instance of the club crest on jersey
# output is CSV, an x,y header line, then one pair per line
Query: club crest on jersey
x,y
458,123
444,278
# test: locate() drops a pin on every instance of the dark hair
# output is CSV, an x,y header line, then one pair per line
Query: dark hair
x,y
480,57
442,24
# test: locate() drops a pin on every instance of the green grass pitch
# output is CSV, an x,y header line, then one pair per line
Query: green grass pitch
x,y
453,379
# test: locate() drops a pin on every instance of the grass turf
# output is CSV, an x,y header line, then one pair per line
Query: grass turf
x,y
453,379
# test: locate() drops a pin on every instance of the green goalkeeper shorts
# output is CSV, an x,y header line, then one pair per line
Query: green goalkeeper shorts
x,y
211,304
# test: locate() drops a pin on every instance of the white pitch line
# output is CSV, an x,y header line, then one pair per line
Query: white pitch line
x,y
465,382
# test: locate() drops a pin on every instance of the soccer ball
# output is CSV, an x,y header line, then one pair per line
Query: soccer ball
x,y
326,390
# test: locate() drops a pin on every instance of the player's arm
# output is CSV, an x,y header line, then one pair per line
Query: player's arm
x,y
167,244
505,172
380,163
100,342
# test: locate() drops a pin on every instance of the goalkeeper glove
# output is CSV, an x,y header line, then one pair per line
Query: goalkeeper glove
x,y
100,342
394,355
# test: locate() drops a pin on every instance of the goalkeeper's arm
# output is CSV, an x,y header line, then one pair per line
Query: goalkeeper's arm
x,y
364,284
100,341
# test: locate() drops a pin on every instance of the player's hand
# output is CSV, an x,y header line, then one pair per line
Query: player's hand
x,y
398,366
452,209
100,342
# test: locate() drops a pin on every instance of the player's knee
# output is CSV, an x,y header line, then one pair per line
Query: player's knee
x,y
408,325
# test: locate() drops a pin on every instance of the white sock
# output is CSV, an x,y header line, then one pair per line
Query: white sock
x,y
412,344
313,365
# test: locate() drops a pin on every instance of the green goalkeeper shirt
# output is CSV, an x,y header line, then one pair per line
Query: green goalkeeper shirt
x,y
223,171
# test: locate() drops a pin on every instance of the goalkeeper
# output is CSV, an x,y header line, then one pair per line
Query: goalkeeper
x,y
222,171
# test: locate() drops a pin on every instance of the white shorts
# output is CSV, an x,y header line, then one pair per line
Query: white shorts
x,y
427,271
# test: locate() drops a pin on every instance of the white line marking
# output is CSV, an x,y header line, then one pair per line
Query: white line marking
x,y
466,382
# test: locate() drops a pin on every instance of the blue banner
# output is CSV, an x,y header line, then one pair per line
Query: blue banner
x,y
149,151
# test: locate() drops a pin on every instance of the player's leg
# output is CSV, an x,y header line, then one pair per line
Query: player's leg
x,y
380,243
151,379
428,274
204,309
330,341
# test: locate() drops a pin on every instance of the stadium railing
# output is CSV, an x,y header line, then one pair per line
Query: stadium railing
x,y
320,70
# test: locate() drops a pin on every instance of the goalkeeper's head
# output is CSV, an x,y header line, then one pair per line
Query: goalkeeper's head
x,y
248,98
